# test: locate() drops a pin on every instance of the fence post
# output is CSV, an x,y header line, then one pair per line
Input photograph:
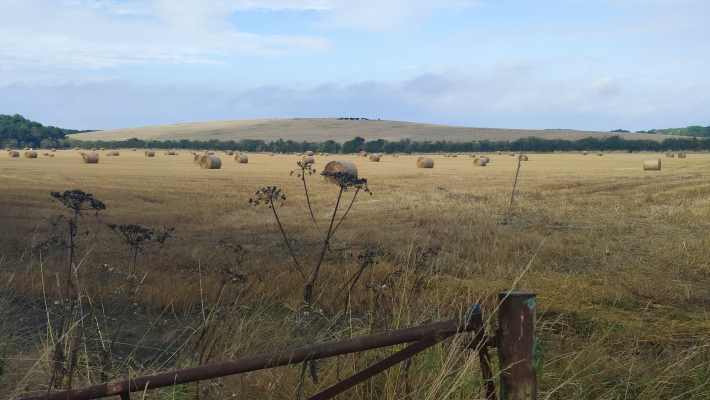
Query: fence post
x,y
516,345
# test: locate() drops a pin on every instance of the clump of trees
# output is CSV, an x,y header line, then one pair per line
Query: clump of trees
x,y
693,130
17,131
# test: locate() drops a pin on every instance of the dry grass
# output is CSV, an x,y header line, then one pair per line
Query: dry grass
x,y
623,276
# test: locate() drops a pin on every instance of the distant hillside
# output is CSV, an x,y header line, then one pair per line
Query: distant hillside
x,y
18,131
339,130
694,130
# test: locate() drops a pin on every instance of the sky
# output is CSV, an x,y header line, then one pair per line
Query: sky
x,y
582,64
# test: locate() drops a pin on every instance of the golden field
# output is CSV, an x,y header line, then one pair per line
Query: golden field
x,y
322,129
619,258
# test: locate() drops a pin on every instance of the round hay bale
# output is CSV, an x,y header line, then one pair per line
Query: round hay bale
x,y
500,153
339,167
90,158
670,155
309,153
114,153
54,150
682,155
242,158
171,153
584,153
652,165
210,162
523,157
309,160
600,154
149,153
481,161
424,162
13,154
375,157
363,154
31,154
229,152
512,154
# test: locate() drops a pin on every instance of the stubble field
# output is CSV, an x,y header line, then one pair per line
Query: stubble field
x,y
619,258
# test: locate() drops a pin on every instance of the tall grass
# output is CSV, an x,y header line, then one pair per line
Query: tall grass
x,y
622,277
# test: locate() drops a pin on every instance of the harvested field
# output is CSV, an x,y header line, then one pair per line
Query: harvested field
x,y
619,258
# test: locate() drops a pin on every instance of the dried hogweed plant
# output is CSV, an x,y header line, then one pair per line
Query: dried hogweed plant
x,y
273,196
305,168
138,237
65,355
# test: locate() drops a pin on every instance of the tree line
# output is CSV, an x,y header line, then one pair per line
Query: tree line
x,y
532,144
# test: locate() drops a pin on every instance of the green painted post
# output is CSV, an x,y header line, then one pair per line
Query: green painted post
x,y
516,344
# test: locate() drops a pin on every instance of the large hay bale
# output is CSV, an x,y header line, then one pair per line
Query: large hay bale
x,y
309,160
210,162
424,162
149,153
242,158
363,154
31,154
346,168
682,155
90,158
481,161
230,152
375,157
670,155
652,165
523,157
13,154
171,153
600,154
309,153
197,157
113,153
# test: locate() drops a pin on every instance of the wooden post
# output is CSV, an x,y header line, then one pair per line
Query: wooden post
x,y
516,346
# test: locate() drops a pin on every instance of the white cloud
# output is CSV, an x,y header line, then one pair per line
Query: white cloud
x,y
84,34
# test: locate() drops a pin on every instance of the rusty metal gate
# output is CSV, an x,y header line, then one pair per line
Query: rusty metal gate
x,y
514,340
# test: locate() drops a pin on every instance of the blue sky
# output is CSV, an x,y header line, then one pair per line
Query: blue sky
x,y
594,64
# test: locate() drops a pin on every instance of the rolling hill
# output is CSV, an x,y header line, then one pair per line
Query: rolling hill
x,y
321,129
